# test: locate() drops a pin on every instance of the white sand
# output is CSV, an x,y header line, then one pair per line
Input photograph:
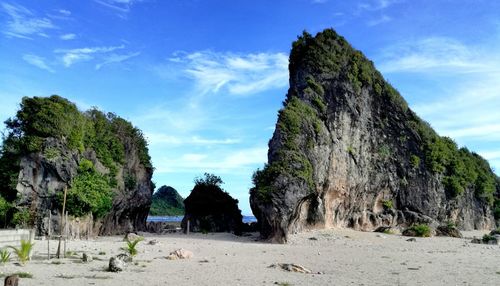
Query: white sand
x,y
343,257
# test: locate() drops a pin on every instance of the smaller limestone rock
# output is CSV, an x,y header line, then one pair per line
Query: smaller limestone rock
x,y
153,242
12,280
131,236
116,264
180,254
291,267
384,229
125,257
446,230
476,240
86,257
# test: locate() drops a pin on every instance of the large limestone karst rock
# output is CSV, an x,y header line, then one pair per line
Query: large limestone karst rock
x,y
348,152
46,148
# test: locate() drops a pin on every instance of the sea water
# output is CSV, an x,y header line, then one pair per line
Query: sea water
x,y
246,219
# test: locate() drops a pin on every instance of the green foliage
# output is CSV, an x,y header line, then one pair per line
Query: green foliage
x,y
20,274
460,168
51,153
387,204
89,192
316,87
487,238
4,209
130,182
4,256
167,202
23,252
131,247
415,161
496,209
350,150
42,117
22,217
384,152
421,230
208,180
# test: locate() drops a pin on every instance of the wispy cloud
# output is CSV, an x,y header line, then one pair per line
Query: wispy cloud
x,y
72,56
121,7
116,58
376,5
378,21
64,12
233,161
67,37
163,139
38,62
436,54
23,23
233,73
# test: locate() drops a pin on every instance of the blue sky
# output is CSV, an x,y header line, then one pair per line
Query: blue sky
x,y
204,79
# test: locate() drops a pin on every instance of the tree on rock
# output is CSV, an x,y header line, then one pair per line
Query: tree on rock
x,y
210,209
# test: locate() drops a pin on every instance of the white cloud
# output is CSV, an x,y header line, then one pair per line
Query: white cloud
x,y
381,20
236,74
67,37
38,62
64,12
163,139
71,56
121,7
491,155
23,23
376,5
436,54
232,161
116,58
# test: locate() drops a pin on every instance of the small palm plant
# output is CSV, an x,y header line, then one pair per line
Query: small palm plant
x,y
23,252
131,247
4,256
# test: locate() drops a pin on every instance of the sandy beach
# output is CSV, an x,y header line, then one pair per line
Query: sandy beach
x,y
335,257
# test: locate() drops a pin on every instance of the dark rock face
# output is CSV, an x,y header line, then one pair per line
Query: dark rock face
x,y
210,209
40,178
348,152
130,205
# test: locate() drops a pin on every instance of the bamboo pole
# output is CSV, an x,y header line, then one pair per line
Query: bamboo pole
x,y
62,223
48,236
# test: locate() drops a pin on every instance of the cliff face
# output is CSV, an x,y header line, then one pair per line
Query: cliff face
x,y
348,152
115,184
167,202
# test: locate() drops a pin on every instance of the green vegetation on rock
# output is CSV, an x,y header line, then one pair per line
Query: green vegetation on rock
x,y
167,202
89,193
460,168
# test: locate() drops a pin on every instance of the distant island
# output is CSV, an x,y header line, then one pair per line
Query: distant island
x,y
167,202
